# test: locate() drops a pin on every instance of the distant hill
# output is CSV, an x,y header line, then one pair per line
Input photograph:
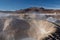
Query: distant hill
x,y
32,9
7,11
36,9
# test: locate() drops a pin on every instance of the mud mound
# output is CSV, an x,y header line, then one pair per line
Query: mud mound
x,y
41,29
16,29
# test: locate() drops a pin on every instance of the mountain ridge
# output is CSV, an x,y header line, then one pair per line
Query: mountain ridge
x,y
36,9
33,9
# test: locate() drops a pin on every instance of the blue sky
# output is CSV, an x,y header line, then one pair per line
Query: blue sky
x,y
22,4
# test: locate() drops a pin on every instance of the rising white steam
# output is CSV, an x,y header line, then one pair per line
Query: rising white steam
x,y
41,29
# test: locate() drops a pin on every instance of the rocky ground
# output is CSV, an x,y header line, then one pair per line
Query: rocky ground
x,y
26,27
23,25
